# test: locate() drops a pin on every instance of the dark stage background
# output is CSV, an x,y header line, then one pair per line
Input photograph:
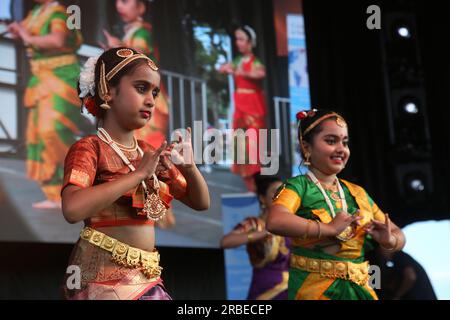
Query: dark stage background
x,y
346,69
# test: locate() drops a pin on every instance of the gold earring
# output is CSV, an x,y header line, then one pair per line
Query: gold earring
x,y
105,104
307,162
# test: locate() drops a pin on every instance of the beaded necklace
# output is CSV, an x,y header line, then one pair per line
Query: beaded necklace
x,y
313,178
153,206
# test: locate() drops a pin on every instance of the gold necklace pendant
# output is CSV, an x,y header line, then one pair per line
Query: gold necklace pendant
x,y
335,196
154,208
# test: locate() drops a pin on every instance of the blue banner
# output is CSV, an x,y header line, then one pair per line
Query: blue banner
x,y
238,271
298,79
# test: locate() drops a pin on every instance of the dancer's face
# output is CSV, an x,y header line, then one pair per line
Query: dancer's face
x,y
133,100
329,148
243,42
130,10
270,193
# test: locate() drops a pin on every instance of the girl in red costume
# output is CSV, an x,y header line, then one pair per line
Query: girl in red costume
x,y
250,108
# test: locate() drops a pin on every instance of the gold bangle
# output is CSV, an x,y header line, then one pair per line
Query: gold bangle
x,y
305,235
395,245
320,231
250,236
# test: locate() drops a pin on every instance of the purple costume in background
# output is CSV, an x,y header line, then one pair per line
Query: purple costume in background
x,y
270,261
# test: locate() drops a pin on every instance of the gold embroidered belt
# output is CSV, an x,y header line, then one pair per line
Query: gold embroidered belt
x,y
52,63
355,272
123,254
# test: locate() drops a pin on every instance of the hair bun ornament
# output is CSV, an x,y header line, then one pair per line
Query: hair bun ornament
x,y
301,115
312,112
90,105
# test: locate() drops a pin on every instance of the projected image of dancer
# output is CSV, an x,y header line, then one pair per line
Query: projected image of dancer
x,y
250,107
268,253
332,221
51,97
119,186
138,35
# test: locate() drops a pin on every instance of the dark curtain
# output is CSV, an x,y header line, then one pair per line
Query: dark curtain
x,y
346,75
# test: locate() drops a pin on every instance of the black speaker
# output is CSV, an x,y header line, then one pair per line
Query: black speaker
x,y
409,118
409,163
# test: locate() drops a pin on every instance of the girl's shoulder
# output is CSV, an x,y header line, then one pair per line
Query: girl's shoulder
x,y
297,184
145,146
299,180
354,189
144,30
90,142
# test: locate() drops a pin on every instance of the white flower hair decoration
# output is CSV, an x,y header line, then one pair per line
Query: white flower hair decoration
x,y
87,78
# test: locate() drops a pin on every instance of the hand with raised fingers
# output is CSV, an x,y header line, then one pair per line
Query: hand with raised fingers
x,y
111,41
226,68
180,151
381,232
342,220
150,160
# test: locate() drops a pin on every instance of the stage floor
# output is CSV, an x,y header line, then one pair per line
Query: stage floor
x,y
19,222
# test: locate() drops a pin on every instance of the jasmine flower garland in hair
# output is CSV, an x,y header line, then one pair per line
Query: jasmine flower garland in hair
x,y
87,78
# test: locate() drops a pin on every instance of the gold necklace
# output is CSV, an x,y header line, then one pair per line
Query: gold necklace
x,y
123,147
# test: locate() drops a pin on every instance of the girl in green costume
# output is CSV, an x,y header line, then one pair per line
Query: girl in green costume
x,y
51,95
330,220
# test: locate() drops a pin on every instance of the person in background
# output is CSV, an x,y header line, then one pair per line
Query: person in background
x,y
402,277
249,102
138,35
268,253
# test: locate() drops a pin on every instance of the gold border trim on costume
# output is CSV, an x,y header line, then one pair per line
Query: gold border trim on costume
x,y
124,254
355,272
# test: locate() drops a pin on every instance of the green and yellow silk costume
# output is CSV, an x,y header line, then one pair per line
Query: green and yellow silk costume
x,y
51,96
315,274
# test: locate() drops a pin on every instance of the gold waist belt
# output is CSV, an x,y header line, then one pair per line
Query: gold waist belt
x,y
123,254
355,272
52,63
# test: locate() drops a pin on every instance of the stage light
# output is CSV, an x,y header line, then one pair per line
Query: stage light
x,y
403,32
411,108
414,183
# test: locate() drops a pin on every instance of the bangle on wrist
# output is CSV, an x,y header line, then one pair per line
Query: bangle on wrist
x,y
305,235
394,246
250,236
319,235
